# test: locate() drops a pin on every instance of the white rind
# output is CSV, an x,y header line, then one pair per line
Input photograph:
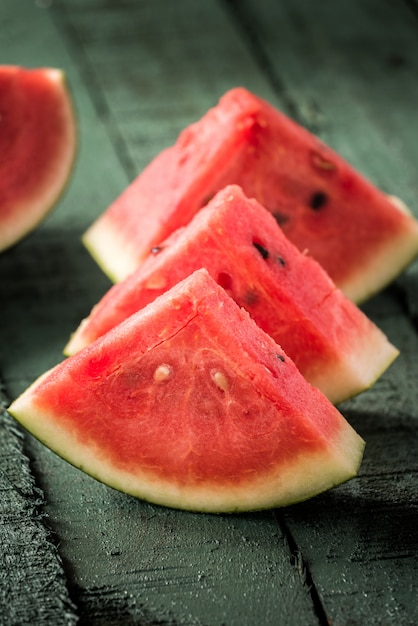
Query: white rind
x,y
363,362
109,249
386,263
112,253
306,477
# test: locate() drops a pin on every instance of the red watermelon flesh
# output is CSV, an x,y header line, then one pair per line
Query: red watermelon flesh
x,y
357,233
37,147
188,403
334,345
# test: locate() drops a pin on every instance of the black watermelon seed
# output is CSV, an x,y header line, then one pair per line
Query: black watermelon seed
x,y
251,297
281,218
262,250
156,249
281,260
318,200
281,357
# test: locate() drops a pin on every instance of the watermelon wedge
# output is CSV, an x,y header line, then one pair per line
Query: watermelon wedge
x,y
361,237
334,345
189,404
38,140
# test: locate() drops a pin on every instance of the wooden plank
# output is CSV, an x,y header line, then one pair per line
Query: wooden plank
x,y
137,80
125,561
349,73
32,582
157,67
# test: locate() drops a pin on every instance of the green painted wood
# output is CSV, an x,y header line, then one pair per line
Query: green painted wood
x,y
32,581
139,73
156,67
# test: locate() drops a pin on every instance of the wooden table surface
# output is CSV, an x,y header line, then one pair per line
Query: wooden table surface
x,y
74,551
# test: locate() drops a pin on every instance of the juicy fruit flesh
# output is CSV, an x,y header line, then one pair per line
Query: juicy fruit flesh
x,y
322,204
37,147
334,345
171,407
218,401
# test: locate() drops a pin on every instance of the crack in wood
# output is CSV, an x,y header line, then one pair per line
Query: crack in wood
x,y
301,566
32,581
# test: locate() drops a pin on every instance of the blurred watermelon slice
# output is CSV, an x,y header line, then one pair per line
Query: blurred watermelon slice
x,y
37,147
334,345
189,404
38,140
361,237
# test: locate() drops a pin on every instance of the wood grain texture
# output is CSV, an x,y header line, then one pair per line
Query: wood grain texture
x,y
139,73
155,68
32,581
360,542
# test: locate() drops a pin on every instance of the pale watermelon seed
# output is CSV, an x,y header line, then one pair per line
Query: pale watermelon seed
x,y
322,163
156,281
219,379
261,249
162,373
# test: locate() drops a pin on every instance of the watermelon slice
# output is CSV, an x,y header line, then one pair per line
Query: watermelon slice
x,y
189,404
334,345
359,235
37,147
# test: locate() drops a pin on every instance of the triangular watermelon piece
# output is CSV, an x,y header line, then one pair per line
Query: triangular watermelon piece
x,y
189,404
334,345
361,237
